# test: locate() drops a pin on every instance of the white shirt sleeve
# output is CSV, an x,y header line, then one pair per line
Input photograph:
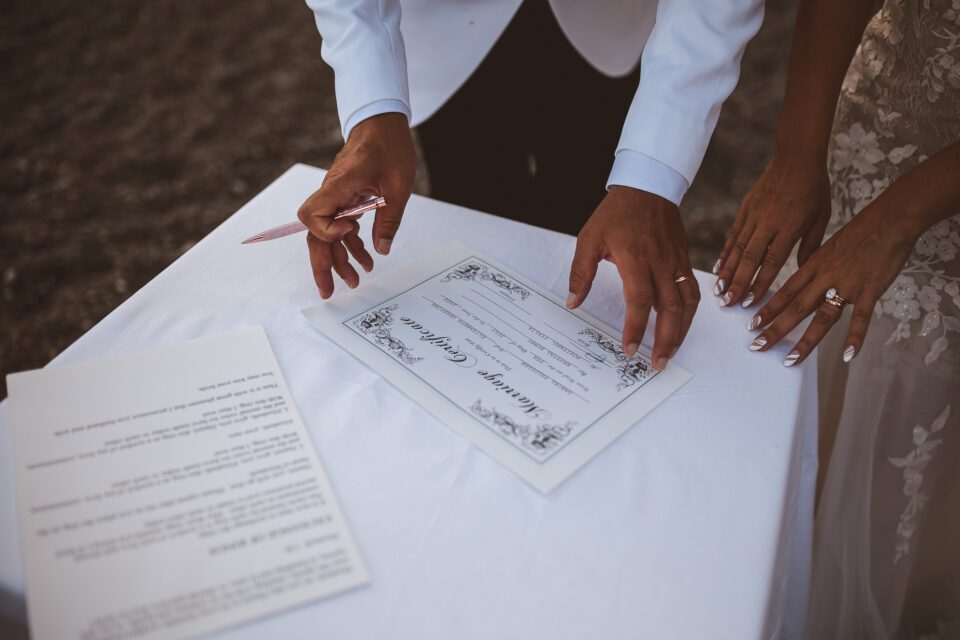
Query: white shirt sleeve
x,y
640,171
374,109
690,65
363,45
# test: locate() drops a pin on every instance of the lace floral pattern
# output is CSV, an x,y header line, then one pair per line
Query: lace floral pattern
x,y
900,104
913,465
942,70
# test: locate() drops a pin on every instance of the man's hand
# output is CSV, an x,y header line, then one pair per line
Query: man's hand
x,y
643,235
377,159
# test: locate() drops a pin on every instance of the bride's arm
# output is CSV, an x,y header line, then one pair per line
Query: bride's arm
x,y
825,37
863,258
927,194
790,202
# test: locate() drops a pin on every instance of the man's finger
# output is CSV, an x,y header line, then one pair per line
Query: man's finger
x,y
690,292
321,261
317,212
666,332
341,264
638,294
583,270
354,244
387,222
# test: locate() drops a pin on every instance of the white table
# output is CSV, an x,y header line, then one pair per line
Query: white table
x,y
686,527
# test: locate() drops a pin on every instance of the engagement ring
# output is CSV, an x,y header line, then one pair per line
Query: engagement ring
x,y
835,298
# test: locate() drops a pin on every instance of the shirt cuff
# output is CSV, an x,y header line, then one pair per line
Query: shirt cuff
x,y
374,109
640,171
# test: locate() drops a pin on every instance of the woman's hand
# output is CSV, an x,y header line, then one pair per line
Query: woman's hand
x,y
859,262
790,202
378,159
643,235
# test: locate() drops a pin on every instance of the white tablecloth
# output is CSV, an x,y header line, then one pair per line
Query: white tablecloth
x,y
685,527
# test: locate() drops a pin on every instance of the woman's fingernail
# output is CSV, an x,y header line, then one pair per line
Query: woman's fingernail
x,y
660,363
719,287
727,298
849,353
759,343
631,349
717,265
791,358
754,322
571,300
383,245
748,300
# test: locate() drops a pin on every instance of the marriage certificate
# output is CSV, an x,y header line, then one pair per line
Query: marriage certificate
x,y
171,492
502,362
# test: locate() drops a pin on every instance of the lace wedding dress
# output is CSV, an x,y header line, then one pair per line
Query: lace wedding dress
x,y
887,533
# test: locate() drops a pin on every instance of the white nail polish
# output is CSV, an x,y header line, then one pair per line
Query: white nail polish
x,y
748,300
716,266
792,358
718,288
849,353
727,298
754,323
758,344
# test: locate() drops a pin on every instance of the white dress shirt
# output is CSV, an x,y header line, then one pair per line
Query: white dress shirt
x,y
690,65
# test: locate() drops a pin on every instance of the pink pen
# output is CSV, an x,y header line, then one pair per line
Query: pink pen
x,y
296,227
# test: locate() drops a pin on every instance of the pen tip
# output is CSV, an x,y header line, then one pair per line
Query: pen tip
x,y
252,239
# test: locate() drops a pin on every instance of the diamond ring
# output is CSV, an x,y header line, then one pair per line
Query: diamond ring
x,y
834,298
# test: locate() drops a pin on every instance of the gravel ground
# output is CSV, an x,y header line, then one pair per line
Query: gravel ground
x,y
132,129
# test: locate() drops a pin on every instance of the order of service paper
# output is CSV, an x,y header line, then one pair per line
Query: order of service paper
x,y
171,492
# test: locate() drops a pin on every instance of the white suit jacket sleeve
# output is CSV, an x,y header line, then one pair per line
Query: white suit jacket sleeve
x,y
689,66
363,45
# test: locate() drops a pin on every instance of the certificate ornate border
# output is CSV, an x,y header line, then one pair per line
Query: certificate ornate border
x,y
376,324
474,270
540,439
631,369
